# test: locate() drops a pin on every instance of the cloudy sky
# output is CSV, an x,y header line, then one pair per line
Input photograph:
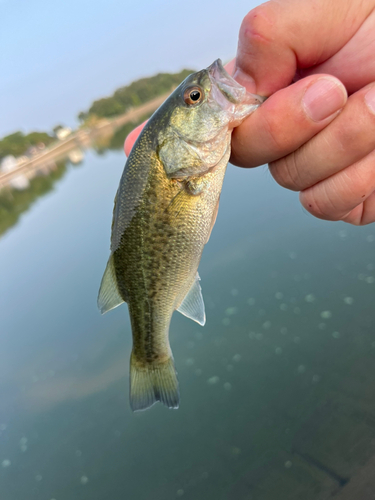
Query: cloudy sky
x,y
57,57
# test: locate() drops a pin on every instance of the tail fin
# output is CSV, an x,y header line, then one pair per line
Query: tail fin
x,y
151,383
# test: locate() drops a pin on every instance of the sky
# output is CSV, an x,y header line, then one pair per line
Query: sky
x,y
56,58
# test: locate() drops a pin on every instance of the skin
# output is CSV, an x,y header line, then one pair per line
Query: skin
x,y
326,151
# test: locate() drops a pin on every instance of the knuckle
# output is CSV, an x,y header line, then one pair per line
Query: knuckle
x,y
318,202
368,210
281,140
271,126
256,25
286,172
348,137
356,130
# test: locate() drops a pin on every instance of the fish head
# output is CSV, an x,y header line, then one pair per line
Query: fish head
x,y
203,112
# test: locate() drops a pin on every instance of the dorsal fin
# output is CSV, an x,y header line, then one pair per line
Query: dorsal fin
x,y
193,306
109,296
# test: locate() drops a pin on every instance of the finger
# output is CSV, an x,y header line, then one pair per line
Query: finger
x,y
335,197
349,138
277,37
132,137
230,66
286,120
362,214
359,53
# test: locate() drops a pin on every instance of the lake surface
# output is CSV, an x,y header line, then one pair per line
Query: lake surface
x,y
277,390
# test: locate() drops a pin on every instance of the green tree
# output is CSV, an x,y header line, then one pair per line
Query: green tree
x,y
135,94
57,128
17,144
14,203
82,116
106,107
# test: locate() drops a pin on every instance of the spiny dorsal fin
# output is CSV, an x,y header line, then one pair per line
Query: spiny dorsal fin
x,y
193,306
109,296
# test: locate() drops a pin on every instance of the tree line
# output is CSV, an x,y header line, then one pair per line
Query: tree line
x,y
133,95
18,143
122,100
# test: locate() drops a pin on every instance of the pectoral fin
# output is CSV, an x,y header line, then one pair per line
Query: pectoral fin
x,y
193,306
178,204
214,217
109,296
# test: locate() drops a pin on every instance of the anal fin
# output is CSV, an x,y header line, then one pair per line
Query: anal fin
x,y
109,296
193,306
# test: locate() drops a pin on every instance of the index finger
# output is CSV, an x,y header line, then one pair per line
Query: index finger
x,y
132,137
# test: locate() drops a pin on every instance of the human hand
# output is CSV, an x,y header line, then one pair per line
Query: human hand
x,y
132,137
330,160
310,146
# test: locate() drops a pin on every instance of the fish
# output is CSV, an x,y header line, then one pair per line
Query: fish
x,y
164,211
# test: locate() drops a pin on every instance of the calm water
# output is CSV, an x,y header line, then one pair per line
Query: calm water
x,y
277,390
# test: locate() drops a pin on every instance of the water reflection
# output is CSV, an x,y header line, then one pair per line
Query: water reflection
x,y
277,388
19,193
23,192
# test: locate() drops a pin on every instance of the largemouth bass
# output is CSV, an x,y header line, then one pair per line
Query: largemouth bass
x,y
165,208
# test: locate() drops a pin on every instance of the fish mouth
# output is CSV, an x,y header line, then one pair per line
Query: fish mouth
x,y
232,90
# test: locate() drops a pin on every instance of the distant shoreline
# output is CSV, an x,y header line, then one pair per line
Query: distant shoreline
x,y
82,138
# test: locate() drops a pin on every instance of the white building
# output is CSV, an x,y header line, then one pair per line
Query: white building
x,y
76,156
8,164
20,182
63,132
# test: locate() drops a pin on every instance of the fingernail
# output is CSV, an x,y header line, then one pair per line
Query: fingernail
x,y
244,79
370,99
323,98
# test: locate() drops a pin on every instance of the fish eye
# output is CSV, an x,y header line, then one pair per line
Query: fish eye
x,y
193,95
